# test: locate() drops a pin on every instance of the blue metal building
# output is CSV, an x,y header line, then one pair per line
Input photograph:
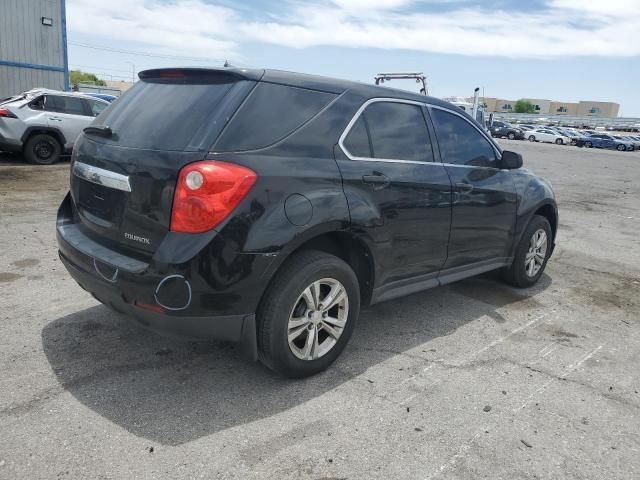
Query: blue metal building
x,y
33,46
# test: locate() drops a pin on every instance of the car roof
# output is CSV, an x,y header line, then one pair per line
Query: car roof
x,y
315,82
42,91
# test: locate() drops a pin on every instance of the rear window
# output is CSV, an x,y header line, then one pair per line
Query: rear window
x,y
171,112
270,113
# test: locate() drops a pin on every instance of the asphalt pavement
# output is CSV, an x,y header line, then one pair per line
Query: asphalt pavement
x,y
469,381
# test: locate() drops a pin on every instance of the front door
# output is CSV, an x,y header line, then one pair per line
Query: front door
x,y
484,196
399,196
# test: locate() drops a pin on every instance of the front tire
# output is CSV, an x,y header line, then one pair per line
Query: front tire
x,y
42,149
531,255
298,334
511,136
559,141
532,138
588,144
621,148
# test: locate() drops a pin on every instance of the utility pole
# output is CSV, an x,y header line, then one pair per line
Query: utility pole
x,y
133,71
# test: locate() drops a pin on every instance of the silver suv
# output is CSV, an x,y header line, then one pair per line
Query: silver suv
x,y
43,124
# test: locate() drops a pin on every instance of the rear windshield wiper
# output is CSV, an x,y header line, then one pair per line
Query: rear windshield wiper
x,y
105,131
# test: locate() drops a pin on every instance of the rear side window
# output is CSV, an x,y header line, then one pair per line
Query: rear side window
x,y
396,131
357,141
62,104
461,143
167,113
270,113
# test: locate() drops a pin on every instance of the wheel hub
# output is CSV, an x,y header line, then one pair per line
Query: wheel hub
x,y
318,319
535,257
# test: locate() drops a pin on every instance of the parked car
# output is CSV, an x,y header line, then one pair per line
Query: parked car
x,y
604,140
102,96
574,135
548,136
503,129
635,138
634,142
270,206
43,124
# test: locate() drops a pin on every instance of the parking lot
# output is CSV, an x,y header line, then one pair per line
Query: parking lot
x,y
473,380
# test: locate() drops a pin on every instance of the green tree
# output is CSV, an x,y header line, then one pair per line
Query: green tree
x,y
78,76
523,106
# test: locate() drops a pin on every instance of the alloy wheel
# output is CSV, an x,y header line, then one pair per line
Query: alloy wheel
x,y
534,259
318,319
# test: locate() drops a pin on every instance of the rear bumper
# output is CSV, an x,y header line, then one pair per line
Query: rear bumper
x,y
212,296
227,327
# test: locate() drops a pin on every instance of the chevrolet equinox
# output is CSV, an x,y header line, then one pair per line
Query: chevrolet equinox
x,y
266,207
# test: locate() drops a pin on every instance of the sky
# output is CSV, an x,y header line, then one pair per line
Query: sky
x,y
565,50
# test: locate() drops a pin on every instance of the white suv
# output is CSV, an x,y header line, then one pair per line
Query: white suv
x,y
43,124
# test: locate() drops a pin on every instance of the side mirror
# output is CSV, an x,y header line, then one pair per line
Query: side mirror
x,y
510,160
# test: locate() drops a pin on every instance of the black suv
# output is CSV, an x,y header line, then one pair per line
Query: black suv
x,y
267,207
502,129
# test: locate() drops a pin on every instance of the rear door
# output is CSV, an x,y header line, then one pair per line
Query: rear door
x,y
484,196
68,114
399,195
123,181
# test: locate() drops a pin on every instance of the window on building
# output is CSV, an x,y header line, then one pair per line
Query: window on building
x,y
562,109
536,107
594,110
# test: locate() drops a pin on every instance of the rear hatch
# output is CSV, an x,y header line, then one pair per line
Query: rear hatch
x,y
125,166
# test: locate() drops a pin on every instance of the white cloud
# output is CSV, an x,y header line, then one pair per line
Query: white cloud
x,y
192,27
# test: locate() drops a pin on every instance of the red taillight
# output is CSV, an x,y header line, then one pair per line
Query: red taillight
x,y
6,113
206,194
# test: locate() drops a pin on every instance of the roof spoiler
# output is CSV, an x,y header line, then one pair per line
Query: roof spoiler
x,y
200,75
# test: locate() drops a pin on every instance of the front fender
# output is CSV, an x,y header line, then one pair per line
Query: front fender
x,y
534,194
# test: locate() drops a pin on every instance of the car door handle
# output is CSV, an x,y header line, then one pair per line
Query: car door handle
x,y
378,180
57,119
464,187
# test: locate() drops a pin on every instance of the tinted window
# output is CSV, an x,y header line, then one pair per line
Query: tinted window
x,y
38,103
357,141
70,105
270,113
461,143
97,107
398,131
167,113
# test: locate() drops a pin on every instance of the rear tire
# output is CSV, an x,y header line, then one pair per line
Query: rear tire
x,y
532,138
291,306
42,149
511,136
588,144
522,273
